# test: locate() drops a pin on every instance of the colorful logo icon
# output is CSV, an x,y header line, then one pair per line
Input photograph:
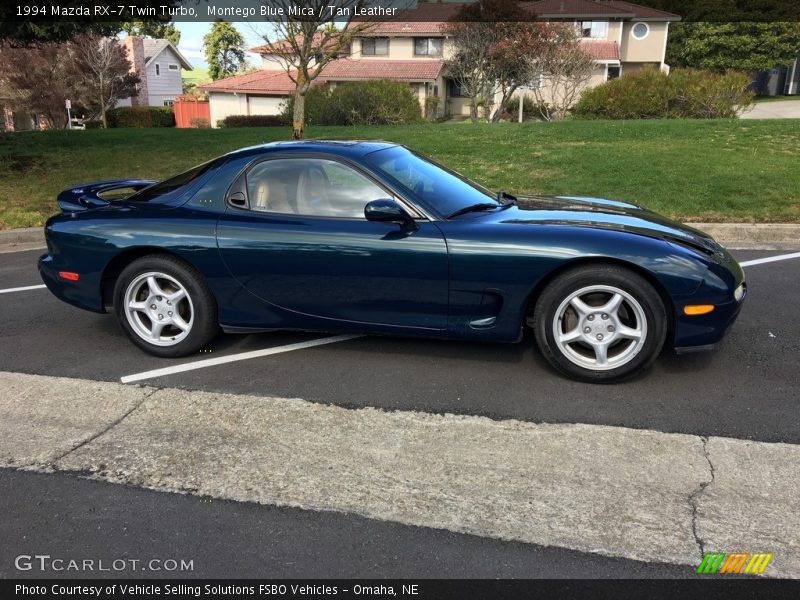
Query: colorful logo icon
x,y
732,563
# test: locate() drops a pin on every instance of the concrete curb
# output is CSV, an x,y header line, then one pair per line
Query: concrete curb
x,y
742,235
26,235
751,234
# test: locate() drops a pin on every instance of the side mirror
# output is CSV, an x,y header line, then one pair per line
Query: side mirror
x,y
389,211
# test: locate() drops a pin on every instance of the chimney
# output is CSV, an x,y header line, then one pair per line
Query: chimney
x,y
135,47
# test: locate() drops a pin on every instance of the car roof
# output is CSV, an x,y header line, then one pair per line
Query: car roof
x,y
350,148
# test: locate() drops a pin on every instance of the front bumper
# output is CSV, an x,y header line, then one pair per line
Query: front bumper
x,y
705,332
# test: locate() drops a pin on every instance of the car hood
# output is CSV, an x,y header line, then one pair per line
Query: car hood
x,y
597,213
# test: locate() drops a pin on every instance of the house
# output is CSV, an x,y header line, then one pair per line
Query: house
x,y
158,64
621,37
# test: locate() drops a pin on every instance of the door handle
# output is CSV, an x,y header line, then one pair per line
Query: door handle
x,y
238,199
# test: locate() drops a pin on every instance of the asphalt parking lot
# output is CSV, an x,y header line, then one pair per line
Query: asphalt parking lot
x,y
748,388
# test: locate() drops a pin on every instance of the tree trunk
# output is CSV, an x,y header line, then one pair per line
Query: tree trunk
x,y
103,112
473,109
299,115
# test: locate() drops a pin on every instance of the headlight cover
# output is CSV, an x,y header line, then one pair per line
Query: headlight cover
x,y
738,294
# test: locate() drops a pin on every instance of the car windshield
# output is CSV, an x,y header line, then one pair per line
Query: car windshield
x,y
171,184
444,190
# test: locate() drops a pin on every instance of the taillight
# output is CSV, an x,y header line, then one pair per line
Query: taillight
x,y
68,276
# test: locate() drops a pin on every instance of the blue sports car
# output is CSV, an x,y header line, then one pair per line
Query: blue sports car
x,y
373,237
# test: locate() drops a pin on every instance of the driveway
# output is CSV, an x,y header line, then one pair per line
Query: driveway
x,y
779,109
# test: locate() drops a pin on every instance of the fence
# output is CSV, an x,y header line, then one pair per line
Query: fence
x,y
188,108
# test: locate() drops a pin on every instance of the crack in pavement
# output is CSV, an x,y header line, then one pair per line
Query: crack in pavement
x,y
148,394
696,494
608,490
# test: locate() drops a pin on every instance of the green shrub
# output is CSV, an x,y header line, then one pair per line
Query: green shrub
x,y
199,123
379,102
432,107
530,109
92,125
141,117
252,121
652,94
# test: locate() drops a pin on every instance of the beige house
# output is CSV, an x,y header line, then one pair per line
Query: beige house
x,y
621,37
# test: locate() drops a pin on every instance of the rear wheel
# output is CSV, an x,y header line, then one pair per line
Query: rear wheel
x,y
600,323
164,306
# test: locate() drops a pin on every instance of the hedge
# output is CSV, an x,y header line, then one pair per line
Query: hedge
x,y
141,116
378,102
652,94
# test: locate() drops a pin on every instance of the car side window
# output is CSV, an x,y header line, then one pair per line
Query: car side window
x,y
310,187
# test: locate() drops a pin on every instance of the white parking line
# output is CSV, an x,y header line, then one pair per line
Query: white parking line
x,y
211,362
769,259
22,289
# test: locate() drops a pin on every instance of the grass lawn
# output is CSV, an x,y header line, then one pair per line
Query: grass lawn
x,y
196,76
692,170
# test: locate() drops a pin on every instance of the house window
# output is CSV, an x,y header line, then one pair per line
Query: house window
x,y
173,67
457,89
593,29
614,71
428,46
640,30
375,46
158,70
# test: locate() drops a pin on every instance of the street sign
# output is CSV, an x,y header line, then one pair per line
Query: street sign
x,y
69,104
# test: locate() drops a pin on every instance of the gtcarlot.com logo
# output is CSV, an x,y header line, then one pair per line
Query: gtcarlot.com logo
x,y
47,563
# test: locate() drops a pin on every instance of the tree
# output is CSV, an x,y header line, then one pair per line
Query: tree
x,y
106,75
39,29
306,39
561,69
39,78
745,46
224,48
153,29
490,38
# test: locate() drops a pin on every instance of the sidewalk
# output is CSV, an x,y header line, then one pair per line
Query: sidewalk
x,y
614,491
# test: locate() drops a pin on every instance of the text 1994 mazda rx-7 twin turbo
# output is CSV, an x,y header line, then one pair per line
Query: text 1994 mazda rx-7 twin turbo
x,y
373,237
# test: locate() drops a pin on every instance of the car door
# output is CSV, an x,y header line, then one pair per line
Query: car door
x,y
295,236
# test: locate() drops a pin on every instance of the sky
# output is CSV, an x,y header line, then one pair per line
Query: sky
x,y
191,45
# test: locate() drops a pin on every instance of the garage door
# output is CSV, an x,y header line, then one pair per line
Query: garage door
x,y
265,105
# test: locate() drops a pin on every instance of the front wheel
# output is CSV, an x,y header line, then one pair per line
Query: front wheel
x,y
164,306
600,323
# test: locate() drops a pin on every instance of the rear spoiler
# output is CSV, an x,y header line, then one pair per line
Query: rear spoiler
x,y
88,196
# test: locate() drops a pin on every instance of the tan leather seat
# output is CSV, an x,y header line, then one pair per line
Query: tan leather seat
x,y
312,192
262,195
271,196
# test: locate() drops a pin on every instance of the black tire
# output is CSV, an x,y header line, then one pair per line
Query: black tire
x,y
197,308
639,302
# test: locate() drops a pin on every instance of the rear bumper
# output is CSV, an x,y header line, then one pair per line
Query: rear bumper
x,y
83,294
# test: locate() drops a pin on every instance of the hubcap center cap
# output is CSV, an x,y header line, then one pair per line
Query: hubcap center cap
x,y
597,328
